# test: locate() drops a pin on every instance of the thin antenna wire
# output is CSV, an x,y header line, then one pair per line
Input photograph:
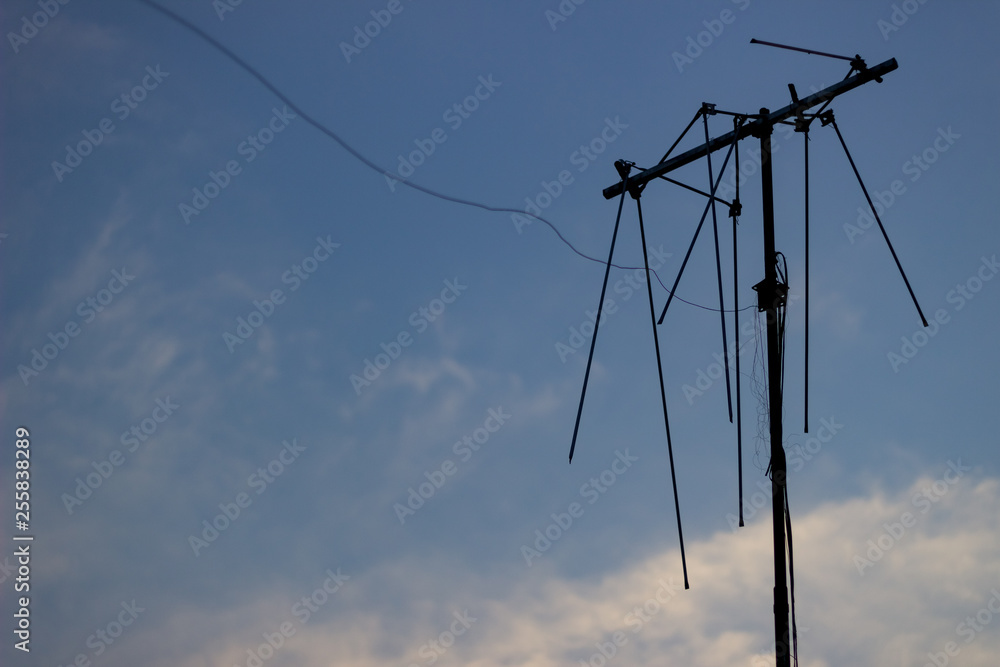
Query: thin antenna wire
x,y
718,270
828,118
663,392
624,168
250,69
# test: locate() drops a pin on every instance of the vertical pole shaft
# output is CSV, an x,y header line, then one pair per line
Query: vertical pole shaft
x,y
778,468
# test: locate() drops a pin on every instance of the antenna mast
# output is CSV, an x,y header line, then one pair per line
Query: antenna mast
x,y
772,291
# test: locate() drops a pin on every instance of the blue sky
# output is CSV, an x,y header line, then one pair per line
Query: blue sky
x,y
149,422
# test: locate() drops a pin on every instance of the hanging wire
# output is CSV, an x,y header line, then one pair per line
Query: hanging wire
x,y
758,386
718,269
805,408
663,392
735,211
250,69
791,576
782,314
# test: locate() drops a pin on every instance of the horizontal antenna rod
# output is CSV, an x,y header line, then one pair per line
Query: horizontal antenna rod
x,y
750,129
796,48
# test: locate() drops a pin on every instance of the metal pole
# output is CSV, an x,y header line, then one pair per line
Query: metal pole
x,y
771,299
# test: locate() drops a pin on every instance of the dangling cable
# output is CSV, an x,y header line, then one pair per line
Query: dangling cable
x,y
805,409
624,168
782,312
827,118
718,271
735,211
791,578
663,391
264,81
697,231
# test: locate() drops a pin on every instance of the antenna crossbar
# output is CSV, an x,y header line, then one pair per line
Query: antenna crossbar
x,y
753,128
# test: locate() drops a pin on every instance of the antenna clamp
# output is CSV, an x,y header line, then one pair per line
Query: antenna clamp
x,y
771,294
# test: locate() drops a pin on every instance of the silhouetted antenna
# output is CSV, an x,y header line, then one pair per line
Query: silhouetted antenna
x,y
796,48
772,292
708,110
734,212
857,62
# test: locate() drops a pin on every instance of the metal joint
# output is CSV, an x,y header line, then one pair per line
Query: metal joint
x,y
735,209
624,167
771,294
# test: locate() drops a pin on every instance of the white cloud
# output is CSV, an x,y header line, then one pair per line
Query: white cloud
x,y
910,602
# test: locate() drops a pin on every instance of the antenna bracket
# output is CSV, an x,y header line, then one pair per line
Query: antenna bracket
x,y
771,294
735,209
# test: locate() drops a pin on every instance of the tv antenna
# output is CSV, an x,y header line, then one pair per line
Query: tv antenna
x,y
772,292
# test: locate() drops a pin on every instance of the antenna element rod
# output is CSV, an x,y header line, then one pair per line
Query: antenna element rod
x,y
623,169
795,48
